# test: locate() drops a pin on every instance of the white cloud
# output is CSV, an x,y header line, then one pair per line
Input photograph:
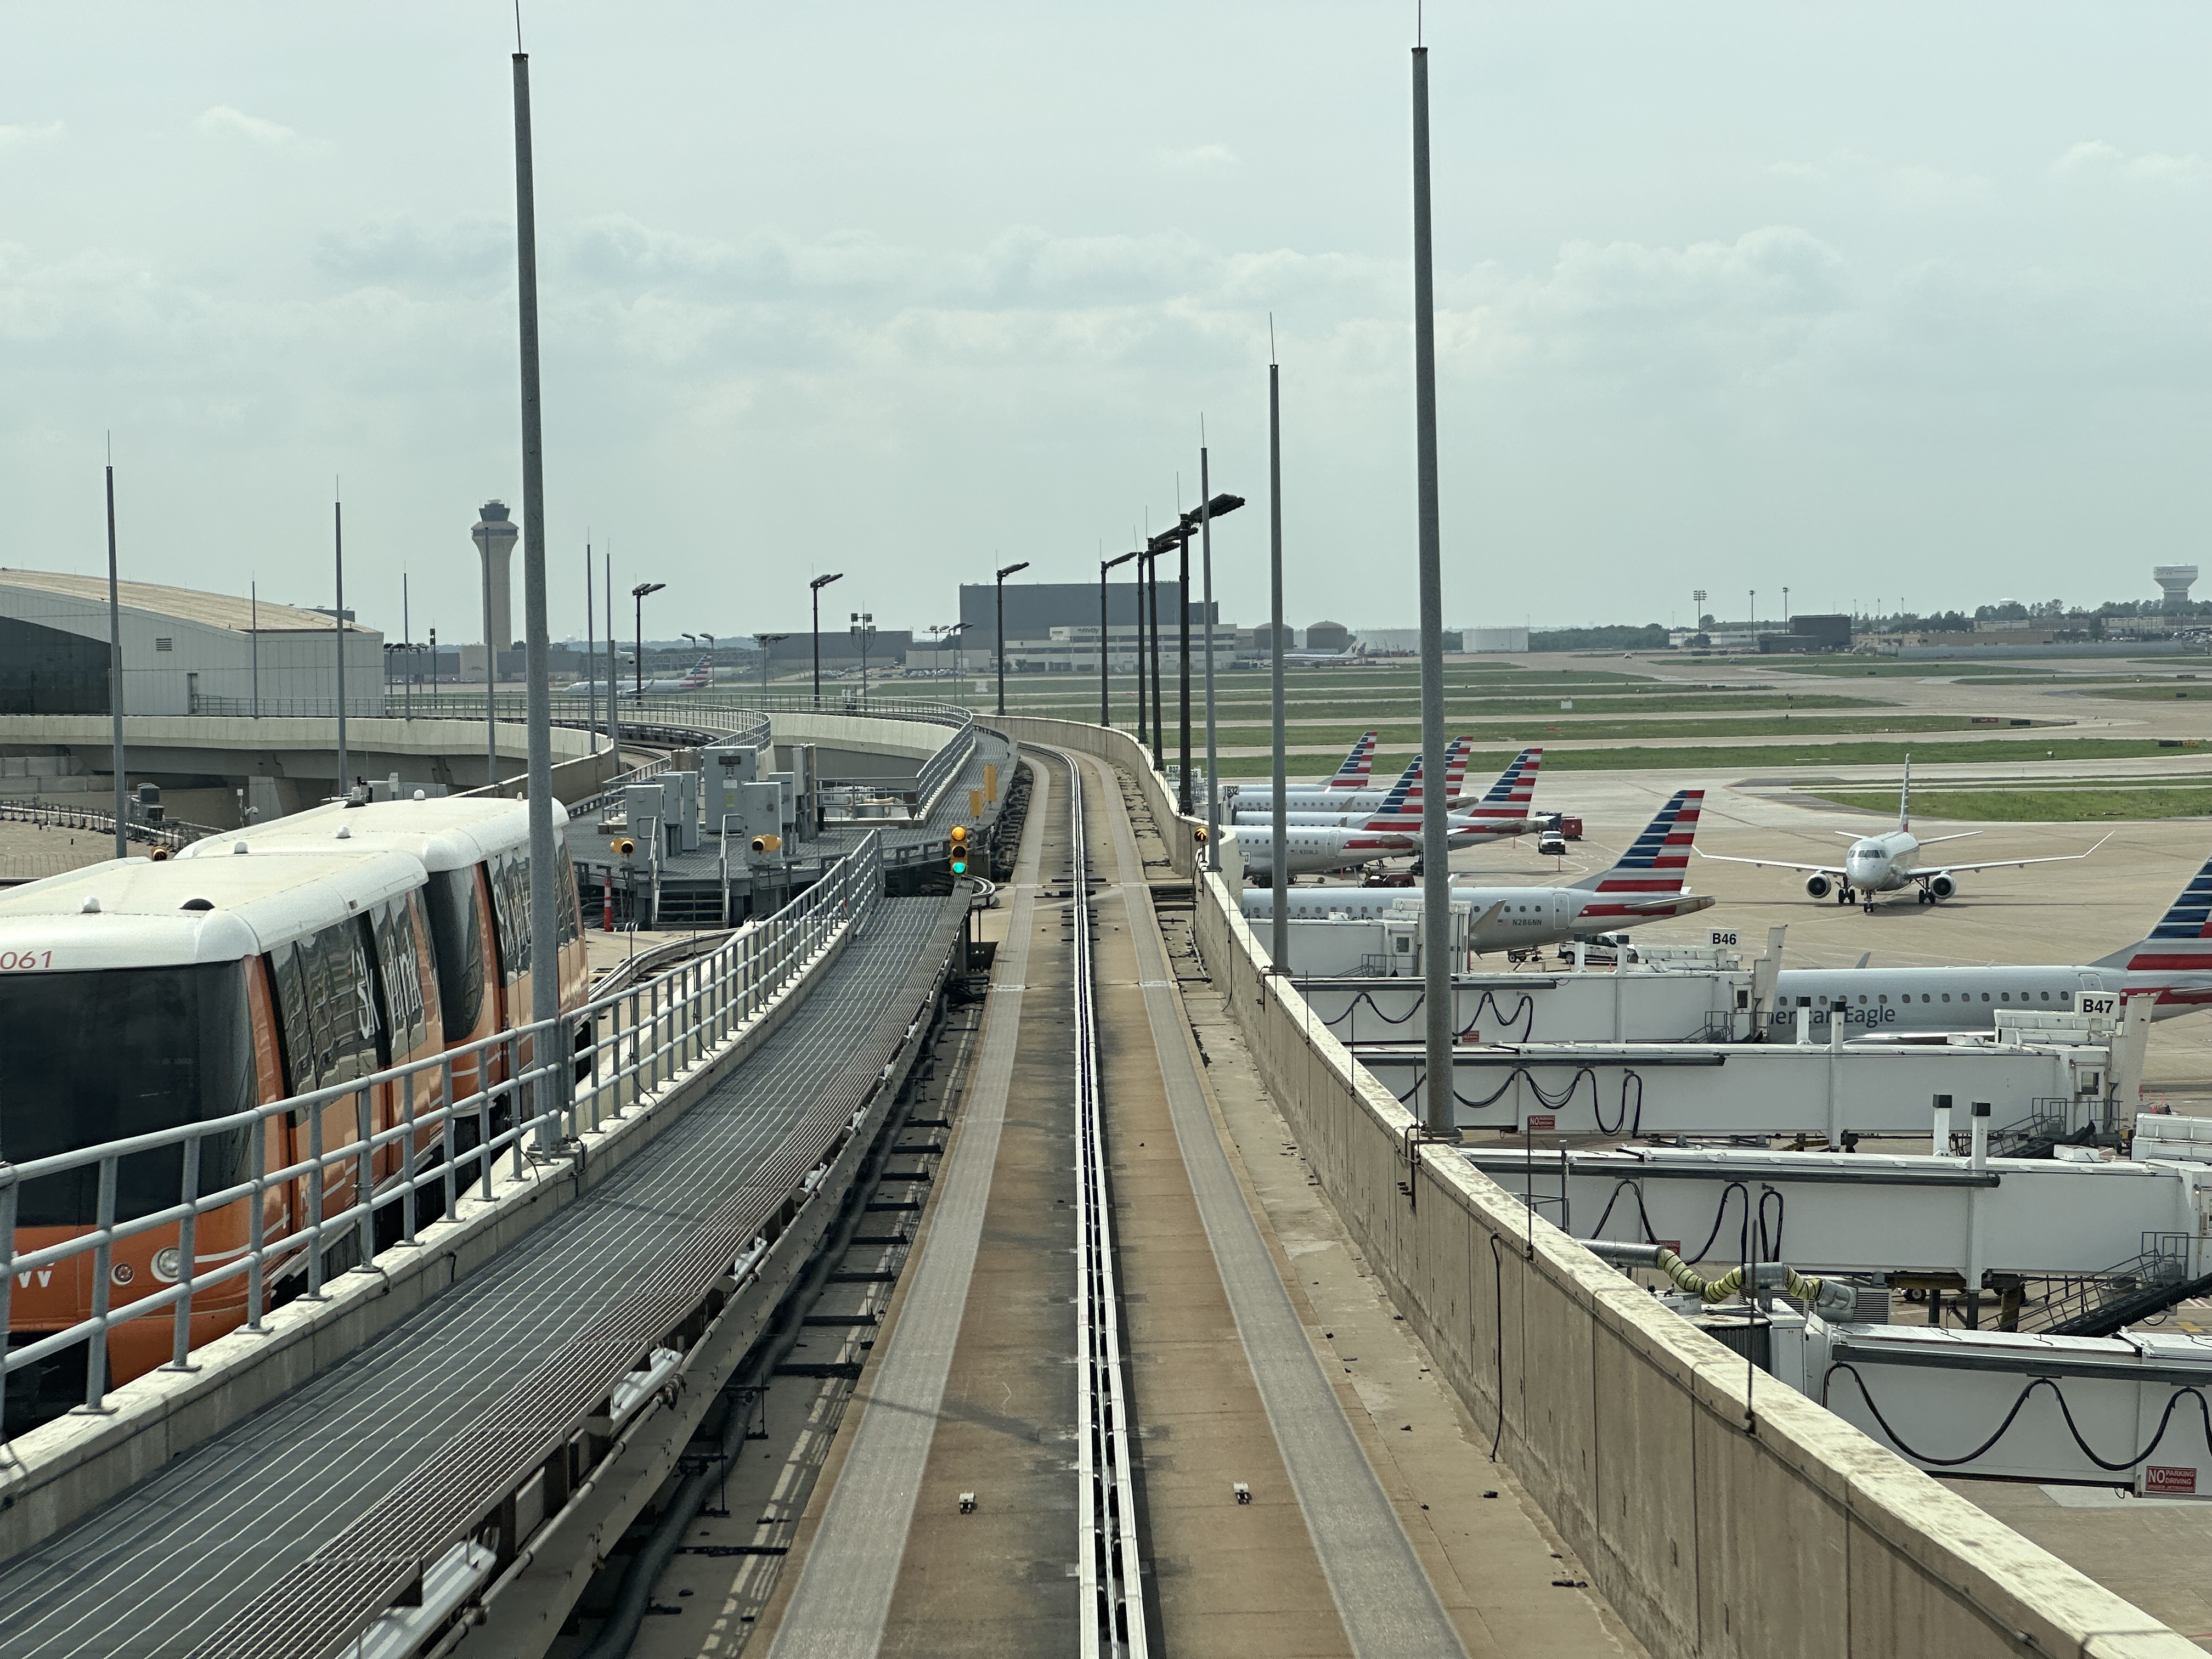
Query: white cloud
x,y
25,136
1201,158
1929,186
222,120
2095,159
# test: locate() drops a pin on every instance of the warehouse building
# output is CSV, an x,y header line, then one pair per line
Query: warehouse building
x,y
184,652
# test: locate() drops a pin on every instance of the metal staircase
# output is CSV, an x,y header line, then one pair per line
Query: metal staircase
x,y
2098,1304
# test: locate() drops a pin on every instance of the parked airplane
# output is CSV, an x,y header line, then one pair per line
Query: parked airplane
x,y
1313,848
1890,862
1645,885
1503,809
1349,657
1312,798
2173,963
700,677
1347,808
1352,772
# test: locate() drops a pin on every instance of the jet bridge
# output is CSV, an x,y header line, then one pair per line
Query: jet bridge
x,y
1636,1089
1863,1213
1708,1000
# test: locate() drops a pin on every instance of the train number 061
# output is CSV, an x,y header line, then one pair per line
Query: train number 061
x,y
14,959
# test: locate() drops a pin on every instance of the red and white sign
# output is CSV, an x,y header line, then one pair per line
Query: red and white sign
x,y
1537,1125
2170,1480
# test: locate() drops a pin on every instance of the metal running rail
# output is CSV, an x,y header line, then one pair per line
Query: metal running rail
x,y
1113,1592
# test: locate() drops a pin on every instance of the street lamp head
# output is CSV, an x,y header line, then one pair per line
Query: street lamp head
x,y
1214,508
1105,565
821,582
644,588
1011,568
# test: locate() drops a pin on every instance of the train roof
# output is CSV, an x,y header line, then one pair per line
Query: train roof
x,y
448,832
135,913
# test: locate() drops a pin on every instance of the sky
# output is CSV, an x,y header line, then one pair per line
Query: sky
x,y
1892,305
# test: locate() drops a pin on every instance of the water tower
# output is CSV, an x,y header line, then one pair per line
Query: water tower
x,y
2174,581
495,535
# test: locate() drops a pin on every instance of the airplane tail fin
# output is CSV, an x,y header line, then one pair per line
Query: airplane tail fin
x,y
1455,754
1358,763
1513,795
1395,809
1660,857
2183,938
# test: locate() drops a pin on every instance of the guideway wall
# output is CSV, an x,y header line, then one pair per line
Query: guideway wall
x,y
1719,1514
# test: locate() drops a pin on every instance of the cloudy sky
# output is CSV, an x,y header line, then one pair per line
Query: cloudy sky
x,y
1885,302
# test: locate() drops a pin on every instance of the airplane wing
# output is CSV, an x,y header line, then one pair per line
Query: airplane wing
x,y
1772,864
2002,864
1930,840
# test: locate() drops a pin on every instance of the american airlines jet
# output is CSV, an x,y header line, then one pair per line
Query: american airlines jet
x,y
1314,797
1503,810
1353,771
700,677
1645,885
1313,848
2174,963
1890,862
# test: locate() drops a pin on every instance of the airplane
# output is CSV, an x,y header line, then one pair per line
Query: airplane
x,y
1890,862
1354,808
1349,656
1502,811
1645,885
700,677
1313,848
1353,771
1260,798
2173,963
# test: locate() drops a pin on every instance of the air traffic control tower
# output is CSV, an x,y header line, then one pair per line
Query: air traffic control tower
x,y
495,535
2174,581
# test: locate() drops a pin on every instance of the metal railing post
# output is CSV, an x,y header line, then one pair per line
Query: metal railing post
x,y
315,1203
7,1275
446,1171
257,1243
365,1176
515,1097
484,1120
407,1171
103,1256
180,1344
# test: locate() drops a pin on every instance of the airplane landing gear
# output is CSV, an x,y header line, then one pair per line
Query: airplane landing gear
x,y
1843,895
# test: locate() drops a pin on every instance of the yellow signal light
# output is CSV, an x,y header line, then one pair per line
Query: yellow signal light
x,y
625,846
959,850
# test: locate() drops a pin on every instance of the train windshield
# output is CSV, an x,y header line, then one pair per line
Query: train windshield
x,y
94,1057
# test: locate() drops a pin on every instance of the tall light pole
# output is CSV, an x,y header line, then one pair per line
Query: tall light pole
x,y
338,615
1696,611
1280,835
115,677
1105,702
638,595
1435,856
998,585
544,931
614,663
1143,704
863,629
591,654
764,640
1151,566
817,586
1785,607
1213,763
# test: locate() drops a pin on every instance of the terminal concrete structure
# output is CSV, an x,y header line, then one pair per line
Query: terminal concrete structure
x,y
184,652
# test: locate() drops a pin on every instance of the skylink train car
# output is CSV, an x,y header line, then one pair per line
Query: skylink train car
x,y
137,996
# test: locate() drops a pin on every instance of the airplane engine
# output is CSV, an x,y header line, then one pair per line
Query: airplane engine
x,y
1942,886
1817,887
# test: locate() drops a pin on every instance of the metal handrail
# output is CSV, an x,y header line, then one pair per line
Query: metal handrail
x,y
651,1032
170,833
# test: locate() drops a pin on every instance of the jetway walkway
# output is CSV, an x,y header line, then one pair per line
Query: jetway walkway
x,y
418,1463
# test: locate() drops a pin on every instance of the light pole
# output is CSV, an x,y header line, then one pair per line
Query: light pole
x,y
638,593
1696,611
764,640
1000,587
1754,619
1151,566
1186,524
863,629
817,585
1785,607
1105,706
1213,763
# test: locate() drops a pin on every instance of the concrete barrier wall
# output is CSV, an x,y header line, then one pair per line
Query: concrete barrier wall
x,y
1720,1513
1123,750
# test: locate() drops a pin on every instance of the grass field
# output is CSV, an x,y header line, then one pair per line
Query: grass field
x,y
1748,757
2161,691
1407,734
1360,710
2036,805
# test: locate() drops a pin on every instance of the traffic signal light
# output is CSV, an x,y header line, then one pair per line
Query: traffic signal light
x,y
959,850
1199,835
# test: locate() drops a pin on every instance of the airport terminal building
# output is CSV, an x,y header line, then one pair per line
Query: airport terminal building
x,y
184,652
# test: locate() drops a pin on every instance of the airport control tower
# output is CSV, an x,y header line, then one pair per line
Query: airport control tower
x,y
495,535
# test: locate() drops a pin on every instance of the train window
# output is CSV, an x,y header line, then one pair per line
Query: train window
x,y
123,1052
295,1033
399,978
457,945
510,909
342,1001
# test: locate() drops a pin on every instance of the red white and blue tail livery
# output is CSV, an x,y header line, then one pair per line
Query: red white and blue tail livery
x,y
1358,765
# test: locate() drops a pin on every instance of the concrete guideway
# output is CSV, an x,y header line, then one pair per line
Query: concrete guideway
x,y
841,1597
1382,1593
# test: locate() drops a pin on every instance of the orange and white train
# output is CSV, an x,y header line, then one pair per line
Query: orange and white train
x,y
262,965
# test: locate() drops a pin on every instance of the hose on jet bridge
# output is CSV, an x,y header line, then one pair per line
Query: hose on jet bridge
x,y
1836,1297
